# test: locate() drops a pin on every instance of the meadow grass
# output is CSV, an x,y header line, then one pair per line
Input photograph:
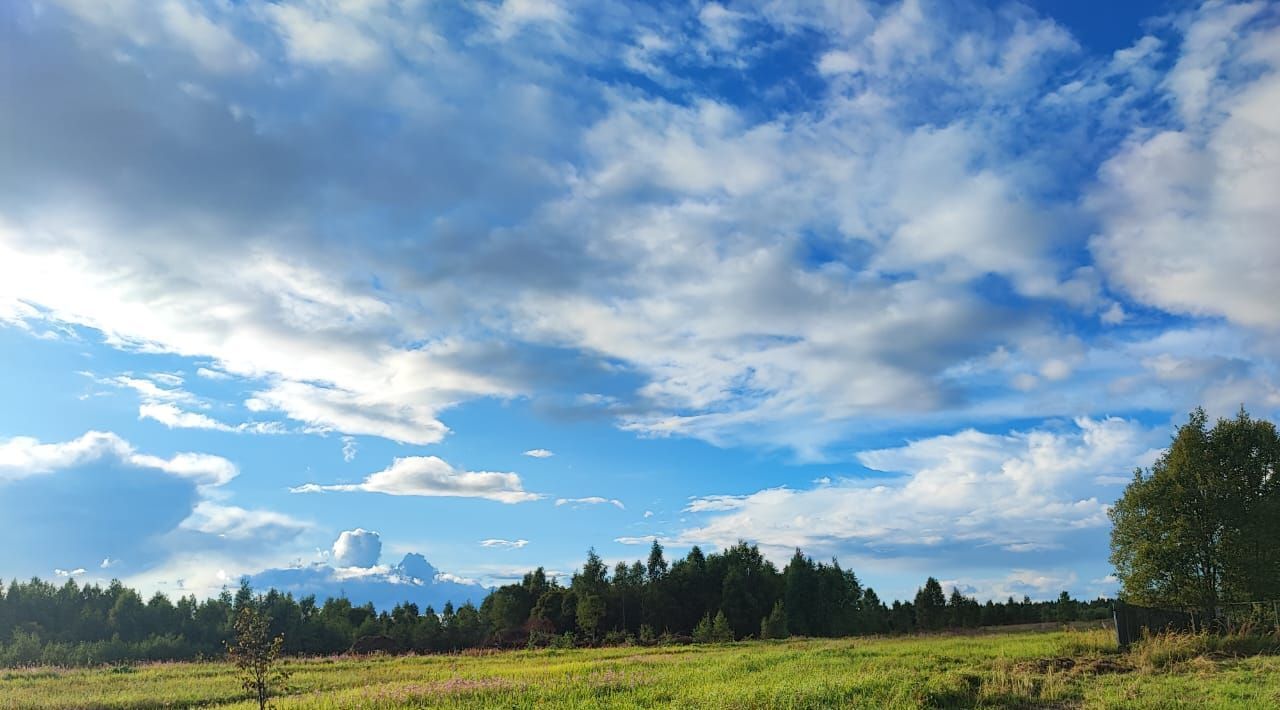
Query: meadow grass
x,y
1056,670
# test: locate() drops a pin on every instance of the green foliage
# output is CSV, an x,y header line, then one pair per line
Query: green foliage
x,y
720,631
931,606
72,625
1200,527
255,654
774,626
647,637
702,632
590,612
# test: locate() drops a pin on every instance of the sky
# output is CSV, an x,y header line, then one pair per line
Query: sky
x,y
344,288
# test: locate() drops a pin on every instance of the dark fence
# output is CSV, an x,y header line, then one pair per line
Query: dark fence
x,y
1132,620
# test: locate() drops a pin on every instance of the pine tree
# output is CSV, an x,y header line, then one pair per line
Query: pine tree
x,y
720,631
702,632
774,626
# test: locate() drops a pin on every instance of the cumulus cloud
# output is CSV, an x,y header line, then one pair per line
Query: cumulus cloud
x,y
23,456
433,476
413,579
357,548
132,511
787,270
1020,492
1188,220
678,213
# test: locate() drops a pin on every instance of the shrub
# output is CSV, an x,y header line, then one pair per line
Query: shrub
x,y
702,632
774,626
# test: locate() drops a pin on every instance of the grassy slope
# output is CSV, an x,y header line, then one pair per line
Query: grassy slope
x,y
954,671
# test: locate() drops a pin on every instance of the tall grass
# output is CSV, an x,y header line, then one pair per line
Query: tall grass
x,y
1161,651
1030,669
1093,642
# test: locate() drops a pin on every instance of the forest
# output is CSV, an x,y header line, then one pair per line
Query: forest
x,y
722,596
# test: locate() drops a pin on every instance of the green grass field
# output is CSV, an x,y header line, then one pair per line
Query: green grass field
x,y
1026,669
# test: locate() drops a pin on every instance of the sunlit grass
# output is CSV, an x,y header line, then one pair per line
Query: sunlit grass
x,y
1063,669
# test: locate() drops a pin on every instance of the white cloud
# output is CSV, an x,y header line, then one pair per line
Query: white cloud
x,y
509,17
322,34
1022,491
327,408
235,523
1188,214
108,563
178,25
357,548
775,279
539,453
648,514
209,374
24,456
432,476
721,26
1018,583
591,500
213,45
174,417
149,390
69,573
505,544
349,448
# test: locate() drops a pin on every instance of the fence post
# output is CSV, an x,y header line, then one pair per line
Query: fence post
x,y
1121,620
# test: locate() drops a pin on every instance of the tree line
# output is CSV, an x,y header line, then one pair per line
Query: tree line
x,y
723,596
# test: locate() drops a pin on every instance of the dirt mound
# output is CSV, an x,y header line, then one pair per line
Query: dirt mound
x,y
1102,666
1044,665
1085,666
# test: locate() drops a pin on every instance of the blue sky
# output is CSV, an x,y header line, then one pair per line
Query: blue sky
x,y
916,285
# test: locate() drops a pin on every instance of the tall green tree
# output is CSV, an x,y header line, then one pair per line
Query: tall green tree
x,y
1199,528
931,606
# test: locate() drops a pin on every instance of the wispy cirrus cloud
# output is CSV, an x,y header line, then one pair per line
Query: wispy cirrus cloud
x,y
504,544
590,500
